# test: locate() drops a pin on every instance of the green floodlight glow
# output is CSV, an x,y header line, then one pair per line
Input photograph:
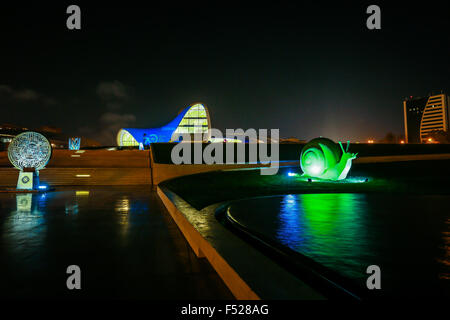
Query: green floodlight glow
x,y
322,158
352,180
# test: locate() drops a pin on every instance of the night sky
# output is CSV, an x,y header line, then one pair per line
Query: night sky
x,y
308,70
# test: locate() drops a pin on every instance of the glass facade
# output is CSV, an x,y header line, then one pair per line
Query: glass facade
x,y
192,120
434,117
126,139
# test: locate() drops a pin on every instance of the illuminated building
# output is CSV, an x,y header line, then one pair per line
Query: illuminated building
x,y
424,115
193,119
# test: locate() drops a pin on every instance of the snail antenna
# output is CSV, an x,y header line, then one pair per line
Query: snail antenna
x,y
348,144
340,143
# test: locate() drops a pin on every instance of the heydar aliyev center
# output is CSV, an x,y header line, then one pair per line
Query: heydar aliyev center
x,y
193,119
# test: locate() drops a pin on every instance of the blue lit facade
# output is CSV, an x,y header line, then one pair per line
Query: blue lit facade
x,y
193,119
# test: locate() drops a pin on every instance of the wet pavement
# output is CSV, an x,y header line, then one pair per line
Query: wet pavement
x,y
123,239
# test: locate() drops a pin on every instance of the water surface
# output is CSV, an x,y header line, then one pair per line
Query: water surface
x,y
407,236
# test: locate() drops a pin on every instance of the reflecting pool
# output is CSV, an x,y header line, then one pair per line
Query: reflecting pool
x,y
122,238
407,236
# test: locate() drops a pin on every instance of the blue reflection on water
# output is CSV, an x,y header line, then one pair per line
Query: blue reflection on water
x,y
290,221
26,216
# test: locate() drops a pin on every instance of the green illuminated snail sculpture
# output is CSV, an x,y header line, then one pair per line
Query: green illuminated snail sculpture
x,y
322,158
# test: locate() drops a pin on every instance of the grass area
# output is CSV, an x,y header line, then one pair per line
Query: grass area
x,y
416,177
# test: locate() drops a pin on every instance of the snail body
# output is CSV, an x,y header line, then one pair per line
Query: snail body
x,y
324,159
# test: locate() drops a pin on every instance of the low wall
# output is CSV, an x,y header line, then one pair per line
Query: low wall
x,y
291,151
244,269
87,167
401,158
82,176
92,159
163,169
163,172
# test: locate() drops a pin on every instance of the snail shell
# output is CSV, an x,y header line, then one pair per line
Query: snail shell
x,y
318,156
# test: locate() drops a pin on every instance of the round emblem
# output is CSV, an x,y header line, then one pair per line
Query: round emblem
x,y
153,138
29,150
25,179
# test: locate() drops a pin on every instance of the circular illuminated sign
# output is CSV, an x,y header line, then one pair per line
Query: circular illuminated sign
x,y
29,150
153,138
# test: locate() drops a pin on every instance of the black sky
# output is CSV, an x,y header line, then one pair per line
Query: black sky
x,y
309,69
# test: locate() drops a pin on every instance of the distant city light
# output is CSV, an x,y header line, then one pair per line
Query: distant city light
x,y
42,187
292,174
402,141
370,141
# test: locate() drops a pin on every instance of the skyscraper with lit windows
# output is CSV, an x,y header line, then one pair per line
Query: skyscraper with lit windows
x,y
423,115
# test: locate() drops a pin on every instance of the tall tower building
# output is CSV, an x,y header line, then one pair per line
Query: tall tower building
x,y
424,115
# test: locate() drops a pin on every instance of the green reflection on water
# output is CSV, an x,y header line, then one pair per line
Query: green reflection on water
x,y
329,228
